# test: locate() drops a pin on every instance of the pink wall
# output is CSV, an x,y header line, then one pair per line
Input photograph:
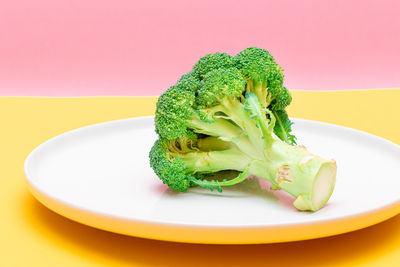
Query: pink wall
x,y
98,47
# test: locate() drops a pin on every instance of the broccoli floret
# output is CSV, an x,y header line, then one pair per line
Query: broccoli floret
x,y
228,114
171,169
189,81
174,108
212,62
264,77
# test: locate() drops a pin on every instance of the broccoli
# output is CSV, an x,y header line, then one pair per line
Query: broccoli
x,y
228,114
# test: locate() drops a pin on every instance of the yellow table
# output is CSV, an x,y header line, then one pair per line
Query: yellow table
x,y
32,235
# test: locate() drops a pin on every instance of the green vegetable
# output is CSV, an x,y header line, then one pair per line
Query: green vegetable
x,y
228,113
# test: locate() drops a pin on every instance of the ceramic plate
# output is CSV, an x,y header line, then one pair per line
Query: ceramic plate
x,y
100,176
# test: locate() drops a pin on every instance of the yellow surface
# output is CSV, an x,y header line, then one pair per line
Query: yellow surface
x,y
32,235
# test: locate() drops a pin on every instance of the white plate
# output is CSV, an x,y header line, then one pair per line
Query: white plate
x,y
100,176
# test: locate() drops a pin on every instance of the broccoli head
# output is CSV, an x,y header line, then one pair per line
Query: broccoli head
x,y
228,114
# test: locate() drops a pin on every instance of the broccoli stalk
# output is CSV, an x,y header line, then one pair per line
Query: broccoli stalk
x,y
228,114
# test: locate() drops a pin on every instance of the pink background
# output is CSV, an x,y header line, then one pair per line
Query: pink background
x,y
98,47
